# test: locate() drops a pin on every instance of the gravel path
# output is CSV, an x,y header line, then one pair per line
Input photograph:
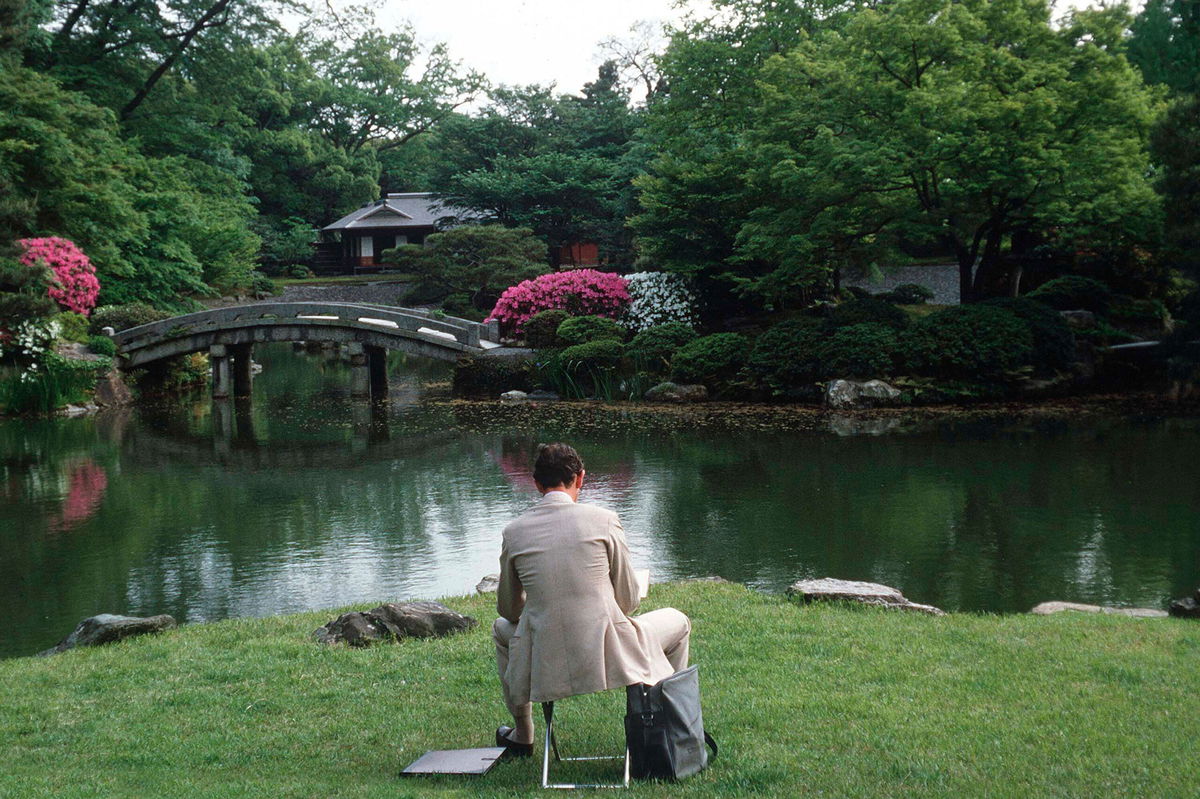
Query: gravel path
x,y
941,279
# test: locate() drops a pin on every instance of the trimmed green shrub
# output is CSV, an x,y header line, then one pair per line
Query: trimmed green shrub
x,y
72,326
605,352
1053,341
867,309
583,329
864,350
784,359
909,294
541,331
653,348
969,342
123,317
1148,314
102,345
712,360
260,284
1073,292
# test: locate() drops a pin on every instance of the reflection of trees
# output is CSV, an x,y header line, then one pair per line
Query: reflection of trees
x,y
997,521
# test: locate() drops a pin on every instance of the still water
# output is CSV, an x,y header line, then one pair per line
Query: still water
x,y
303,499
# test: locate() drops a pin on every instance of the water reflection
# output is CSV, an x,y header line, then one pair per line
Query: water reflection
x,y
303,500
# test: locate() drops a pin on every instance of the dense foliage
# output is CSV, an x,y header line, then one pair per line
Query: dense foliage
x,y
1053,341
862,350
955,123
477,260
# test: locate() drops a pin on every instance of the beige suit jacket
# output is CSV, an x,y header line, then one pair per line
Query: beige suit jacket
x,y
566,581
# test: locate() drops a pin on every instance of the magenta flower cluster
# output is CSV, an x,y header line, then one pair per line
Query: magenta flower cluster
x,y
77,287
579,292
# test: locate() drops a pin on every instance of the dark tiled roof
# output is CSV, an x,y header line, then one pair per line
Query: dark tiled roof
x,y
417,209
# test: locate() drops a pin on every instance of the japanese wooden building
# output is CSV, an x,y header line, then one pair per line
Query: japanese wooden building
x,y
355,242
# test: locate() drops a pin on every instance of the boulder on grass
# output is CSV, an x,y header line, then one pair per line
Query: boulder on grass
x,y
393,622
827,589
107,628
490,584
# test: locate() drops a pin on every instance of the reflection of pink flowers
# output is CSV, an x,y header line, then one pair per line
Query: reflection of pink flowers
x,y
88,482
579,292
518,470
77,287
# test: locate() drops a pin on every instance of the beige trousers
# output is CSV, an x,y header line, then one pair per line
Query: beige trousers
x,y
668,626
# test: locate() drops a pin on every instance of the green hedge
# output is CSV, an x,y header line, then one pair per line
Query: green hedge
x,y
969,342
1074,292
712,360
541,331
583,329
864,350
653,348
784,359
1053,341
867,309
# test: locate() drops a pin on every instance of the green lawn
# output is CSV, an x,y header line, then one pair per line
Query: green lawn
x,y
805,701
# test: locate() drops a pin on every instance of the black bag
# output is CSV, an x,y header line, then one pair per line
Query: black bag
x,y
664,728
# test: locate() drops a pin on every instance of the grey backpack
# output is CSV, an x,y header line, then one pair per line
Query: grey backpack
x,y
664,728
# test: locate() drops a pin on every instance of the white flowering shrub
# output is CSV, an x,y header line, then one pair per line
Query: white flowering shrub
x,y
658,298
30,344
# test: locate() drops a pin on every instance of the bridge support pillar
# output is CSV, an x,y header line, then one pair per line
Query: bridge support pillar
x,y
218,357
377,371
242,355
360,376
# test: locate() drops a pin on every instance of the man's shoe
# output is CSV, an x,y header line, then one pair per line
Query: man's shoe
x,y
512,748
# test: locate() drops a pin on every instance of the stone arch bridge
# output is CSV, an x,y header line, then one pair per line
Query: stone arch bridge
x,y
229,334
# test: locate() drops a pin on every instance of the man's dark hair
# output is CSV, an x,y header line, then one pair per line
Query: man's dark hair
x,y
556,465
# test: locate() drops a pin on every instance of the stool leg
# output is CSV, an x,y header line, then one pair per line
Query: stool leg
x,y
548,713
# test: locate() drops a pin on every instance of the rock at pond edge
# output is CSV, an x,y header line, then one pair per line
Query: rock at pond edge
x,y
107,628
828,588
393,621
842,394
1186,608
1048,608
674,392
490,584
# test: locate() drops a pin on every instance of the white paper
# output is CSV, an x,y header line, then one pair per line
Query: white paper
x,y
643,581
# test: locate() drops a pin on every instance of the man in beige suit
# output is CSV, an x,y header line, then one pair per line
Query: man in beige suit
x,y
567,588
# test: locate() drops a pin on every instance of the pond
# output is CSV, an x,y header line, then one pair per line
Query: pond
x,y
303,499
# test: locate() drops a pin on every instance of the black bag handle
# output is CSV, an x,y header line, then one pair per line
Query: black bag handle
x,y
712,744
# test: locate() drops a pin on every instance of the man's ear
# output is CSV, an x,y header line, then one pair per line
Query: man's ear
x,y
579,478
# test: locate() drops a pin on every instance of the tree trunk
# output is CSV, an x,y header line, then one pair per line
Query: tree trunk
x,y
966,273
205,21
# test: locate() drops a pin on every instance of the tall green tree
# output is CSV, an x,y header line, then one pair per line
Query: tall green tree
x,y
962,119
562,166
694,196
1165,44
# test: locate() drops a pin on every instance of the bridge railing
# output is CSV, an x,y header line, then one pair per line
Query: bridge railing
x,y
420,324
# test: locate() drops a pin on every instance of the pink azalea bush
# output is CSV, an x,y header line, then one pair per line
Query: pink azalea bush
x,y
78,286
579,292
